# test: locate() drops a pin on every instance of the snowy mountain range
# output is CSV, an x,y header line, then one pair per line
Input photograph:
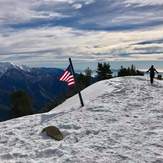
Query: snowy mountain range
x,y
4,66
41,84
120,122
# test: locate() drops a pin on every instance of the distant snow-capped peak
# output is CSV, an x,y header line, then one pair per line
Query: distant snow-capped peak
x,y
5,66
25,68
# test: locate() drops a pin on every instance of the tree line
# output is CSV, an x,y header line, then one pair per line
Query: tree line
x,y
21,102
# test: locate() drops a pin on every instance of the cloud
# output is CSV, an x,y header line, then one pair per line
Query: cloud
x,y
58,43
77,6
81,14
145,2
15,12
43,31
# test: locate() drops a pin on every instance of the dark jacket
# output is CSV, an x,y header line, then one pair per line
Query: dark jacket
x,y
152,71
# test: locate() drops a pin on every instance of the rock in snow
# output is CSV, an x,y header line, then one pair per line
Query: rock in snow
x,y
53,132
122,121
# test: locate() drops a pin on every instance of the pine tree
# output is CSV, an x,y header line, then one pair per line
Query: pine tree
x,y
21,103
104,71
88,76
130,71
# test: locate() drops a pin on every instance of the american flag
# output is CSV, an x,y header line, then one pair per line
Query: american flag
x,y
68,77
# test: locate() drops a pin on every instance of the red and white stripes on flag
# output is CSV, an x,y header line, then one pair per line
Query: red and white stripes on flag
x,y
68,77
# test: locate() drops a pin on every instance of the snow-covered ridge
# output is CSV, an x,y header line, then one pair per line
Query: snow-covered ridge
x,y
5,66
121,122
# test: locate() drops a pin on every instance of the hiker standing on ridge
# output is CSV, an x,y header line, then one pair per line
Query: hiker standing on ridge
x,y
152,71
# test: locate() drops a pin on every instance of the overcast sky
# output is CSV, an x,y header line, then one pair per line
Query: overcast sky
x,y
47,32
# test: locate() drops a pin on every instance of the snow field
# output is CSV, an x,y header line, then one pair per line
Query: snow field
x,y
122,121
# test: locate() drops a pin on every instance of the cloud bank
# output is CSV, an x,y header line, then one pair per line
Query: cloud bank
x,y
44,31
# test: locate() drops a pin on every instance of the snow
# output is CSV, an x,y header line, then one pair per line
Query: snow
x,y
5,66
122,121
25,68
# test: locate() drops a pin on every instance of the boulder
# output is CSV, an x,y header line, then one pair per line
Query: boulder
x,y
53,132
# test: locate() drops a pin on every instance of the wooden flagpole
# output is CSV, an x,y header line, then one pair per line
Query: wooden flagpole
x,y
80,96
